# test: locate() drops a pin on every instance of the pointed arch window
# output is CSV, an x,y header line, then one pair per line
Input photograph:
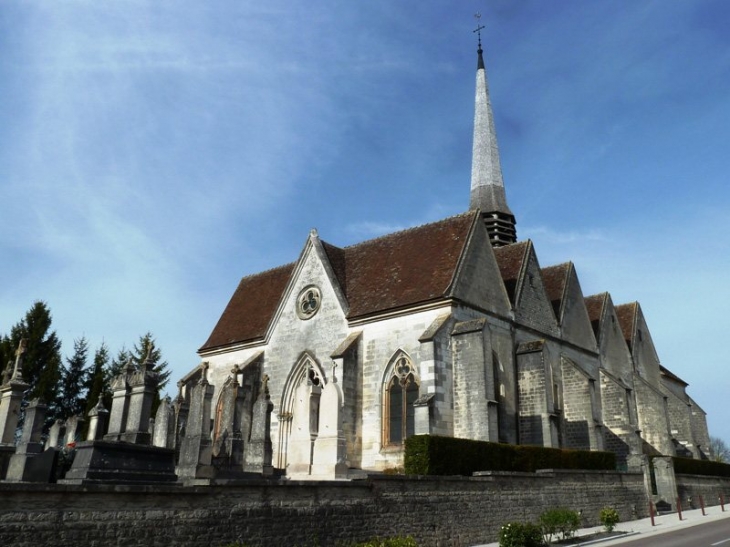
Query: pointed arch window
x,y
401,391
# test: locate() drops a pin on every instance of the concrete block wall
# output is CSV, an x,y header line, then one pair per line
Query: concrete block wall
x,y
443,511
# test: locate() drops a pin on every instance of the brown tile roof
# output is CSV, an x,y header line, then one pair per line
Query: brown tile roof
x,y
594,305
627,320
510,259
555,279
251,307
395,271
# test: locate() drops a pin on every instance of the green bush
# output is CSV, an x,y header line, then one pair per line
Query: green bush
x,y
560,522
434,455
518,534
689,466
609,518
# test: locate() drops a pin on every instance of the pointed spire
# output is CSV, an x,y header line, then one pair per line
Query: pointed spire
x,y
487,186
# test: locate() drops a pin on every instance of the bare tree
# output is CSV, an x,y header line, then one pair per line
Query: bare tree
x,y
719,451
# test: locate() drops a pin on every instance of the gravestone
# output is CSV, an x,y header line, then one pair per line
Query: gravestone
x,y
181,407
164,430
196,449
142,385
259,452
227,436
74,425
98,417
330,447
11,396
30,463
56,435
125,455
120,403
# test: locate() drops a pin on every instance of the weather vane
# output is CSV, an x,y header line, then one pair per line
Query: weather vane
x,y
478,30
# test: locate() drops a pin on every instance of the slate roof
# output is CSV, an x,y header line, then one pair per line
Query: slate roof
x,y
396,271
555,279
627,320
510,259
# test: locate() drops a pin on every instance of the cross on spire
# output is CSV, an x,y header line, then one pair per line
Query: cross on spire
x,y
478,30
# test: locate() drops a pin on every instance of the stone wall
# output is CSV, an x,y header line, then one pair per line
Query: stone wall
x,y
443,511
691,487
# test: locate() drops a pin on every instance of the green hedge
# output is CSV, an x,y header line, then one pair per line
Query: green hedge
x,y
433,455
688,466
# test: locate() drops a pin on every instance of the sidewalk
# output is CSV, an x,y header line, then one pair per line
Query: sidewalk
x,y
664,523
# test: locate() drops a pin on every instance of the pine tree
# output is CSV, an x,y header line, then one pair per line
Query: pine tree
x,y
113,370
146,349
74,381
147,345
42,360
98,378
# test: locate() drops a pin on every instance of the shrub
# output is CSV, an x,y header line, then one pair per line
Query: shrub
x,y
560,521
689,466
434,455
518,534
609,518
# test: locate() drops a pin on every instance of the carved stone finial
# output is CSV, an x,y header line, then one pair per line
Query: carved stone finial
x,y
334,371
204,366
129,368
265,384
18,369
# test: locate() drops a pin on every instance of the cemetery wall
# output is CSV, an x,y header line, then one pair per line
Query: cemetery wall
x,y
443,511
691,487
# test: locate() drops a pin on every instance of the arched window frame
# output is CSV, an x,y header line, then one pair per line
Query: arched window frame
x,y
401,374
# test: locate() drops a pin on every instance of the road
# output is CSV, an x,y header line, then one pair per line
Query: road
x,y
712,534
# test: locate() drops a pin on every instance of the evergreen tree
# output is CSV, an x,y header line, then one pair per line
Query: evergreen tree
x,y
147,345
113,370
147,349
42,360
74,381
98,378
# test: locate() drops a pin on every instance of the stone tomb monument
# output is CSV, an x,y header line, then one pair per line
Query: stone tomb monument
x,y
125,455
238,447
31,463
12,388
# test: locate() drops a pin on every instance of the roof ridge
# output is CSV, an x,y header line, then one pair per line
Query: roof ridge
x,y
275,268
409,229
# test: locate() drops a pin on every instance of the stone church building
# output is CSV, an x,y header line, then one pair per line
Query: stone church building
x,y
452,328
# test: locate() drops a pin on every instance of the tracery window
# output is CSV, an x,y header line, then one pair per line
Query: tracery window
x,y
401,391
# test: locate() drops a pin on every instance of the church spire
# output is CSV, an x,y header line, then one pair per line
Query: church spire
x,y
487,186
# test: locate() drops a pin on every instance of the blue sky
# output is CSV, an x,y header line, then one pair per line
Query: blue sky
x,y
153,152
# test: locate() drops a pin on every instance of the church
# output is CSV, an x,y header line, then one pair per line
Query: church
x,y
452,328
